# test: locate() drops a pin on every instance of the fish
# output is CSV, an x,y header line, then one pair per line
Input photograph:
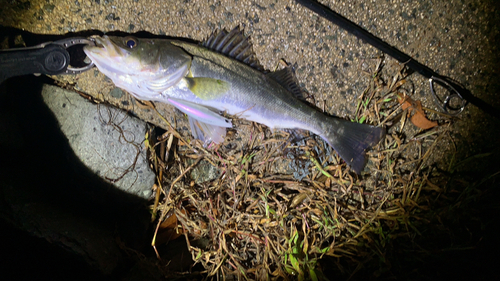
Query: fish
x,y
221,77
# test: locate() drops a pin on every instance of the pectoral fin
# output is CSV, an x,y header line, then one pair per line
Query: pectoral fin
x,y
207,88
206,125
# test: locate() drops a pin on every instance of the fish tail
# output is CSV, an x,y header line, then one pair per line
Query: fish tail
x,y
351,140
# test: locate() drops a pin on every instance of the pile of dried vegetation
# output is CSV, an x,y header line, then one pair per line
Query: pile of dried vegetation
x,y
254,221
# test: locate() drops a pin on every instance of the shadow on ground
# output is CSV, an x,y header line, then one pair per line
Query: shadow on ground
x,y
50,201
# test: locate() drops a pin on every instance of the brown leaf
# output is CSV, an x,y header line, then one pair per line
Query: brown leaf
x,y
170,222
415,107
168,230
418,119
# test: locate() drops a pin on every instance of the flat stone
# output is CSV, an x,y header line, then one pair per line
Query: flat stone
x,y
204,172
105,139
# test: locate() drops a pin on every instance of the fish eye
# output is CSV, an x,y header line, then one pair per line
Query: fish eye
x,y
131,42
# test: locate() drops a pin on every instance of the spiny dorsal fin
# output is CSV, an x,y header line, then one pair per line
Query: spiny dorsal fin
x,y
233,44
286,78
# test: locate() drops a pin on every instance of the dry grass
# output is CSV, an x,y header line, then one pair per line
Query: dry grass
x,y
252,222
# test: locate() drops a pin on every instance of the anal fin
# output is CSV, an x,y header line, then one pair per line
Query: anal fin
x,y
296,135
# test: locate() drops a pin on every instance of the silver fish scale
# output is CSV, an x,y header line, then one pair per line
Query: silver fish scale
x,y
253,95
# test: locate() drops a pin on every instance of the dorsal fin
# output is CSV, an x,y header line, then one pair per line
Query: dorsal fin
x,y
286,78
233,44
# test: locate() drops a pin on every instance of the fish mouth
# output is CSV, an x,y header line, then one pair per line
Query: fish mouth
x,y
105,54
99,41
103,47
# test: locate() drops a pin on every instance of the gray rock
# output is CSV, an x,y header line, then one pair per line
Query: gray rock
x,y
203,172
116,93
105,139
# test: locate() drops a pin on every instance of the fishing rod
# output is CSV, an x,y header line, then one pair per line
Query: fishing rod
x,y
457,93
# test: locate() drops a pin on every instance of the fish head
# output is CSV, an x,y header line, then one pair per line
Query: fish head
x,y
123,55
143,67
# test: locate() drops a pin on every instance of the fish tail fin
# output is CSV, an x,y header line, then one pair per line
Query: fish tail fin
x,y
351,140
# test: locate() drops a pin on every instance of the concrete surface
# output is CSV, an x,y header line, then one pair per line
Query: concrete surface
x,y
455,38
